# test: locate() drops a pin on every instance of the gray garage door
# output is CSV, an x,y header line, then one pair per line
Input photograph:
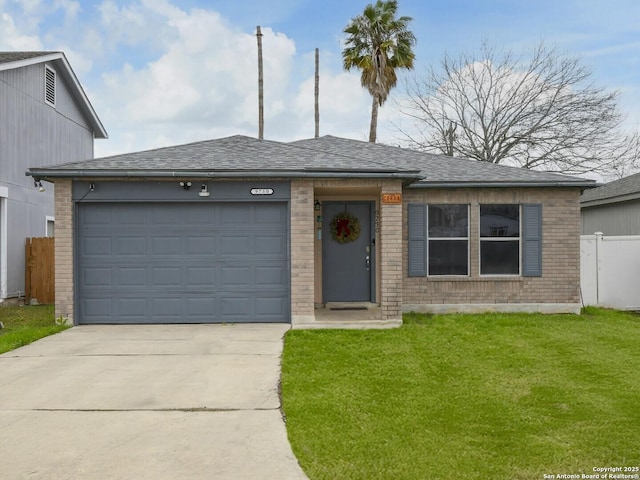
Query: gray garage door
x,y
182,263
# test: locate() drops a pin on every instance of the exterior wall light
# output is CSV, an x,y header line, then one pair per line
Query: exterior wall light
x,y
185,185
204,191
38,183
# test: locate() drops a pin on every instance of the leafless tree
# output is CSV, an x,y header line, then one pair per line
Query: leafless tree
x,y
537,111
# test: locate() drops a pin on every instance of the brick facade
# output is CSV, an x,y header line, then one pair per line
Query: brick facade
x,y
302,256
556,290
64,251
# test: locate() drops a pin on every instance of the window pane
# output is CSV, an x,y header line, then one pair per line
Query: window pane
x,y
448,220
499,258
499,220
448,257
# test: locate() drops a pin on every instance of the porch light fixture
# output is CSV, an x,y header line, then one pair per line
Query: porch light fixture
x,y
38,183
204,191
92,187
185,185
317,205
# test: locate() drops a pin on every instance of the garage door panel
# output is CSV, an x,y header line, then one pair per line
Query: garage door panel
x,y
131,276
131,307
266,276
234,307
271,216
234,214
133,215
169,245
167,276
95,246
235,245
209,263
270,245
232,277
129,246
97,277
201,276
97,307
201,307
200,245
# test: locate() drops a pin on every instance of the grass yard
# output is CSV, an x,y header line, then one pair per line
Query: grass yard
x,y
26,324
493,396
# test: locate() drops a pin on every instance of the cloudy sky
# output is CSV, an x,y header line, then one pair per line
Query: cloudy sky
x,y
164,72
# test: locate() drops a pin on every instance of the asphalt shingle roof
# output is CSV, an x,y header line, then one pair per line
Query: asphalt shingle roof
x,y
329,156
437,169
626,188
8,57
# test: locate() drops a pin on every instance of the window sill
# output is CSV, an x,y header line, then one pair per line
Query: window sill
x,y
505,278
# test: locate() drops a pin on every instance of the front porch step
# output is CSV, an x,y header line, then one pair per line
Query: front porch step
x,y
350,306
348,324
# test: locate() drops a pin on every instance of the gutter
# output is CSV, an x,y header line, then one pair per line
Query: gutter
x,y
610,200
479,184
46,174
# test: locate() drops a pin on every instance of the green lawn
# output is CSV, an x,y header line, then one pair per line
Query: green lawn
x,y
26,324
509,396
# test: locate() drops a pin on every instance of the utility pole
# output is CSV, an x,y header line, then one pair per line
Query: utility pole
x,y
260,86
317,93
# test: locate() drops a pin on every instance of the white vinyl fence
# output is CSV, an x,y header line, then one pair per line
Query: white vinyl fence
x,y
610,271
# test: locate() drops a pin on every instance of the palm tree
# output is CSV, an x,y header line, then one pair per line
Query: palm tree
x,y
377,44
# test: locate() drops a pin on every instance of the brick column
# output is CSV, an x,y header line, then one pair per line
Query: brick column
x,y
302,252
64,250
391,255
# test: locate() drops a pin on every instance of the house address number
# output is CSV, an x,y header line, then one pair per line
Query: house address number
x,y
392,198
262,191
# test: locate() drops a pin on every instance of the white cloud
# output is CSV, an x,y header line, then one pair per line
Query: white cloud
x,y
11,38
204,82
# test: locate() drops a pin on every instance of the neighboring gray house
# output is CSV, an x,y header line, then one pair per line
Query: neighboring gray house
x,y
613,209
244,230
45,119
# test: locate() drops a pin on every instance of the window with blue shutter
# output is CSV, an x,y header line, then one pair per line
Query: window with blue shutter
x,y
532,240
417,240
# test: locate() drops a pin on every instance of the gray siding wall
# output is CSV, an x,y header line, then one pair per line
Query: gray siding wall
x,y
33,134
614,219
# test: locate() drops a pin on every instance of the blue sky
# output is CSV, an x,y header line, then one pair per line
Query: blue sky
x,y
163,72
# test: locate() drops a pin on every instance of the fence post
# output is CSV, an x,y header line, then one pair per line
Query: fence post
x,y
598,246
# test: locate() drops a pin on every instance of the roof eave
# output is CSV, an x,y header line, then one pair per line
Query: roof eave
x,y
610,200
69,75
505,184
45,174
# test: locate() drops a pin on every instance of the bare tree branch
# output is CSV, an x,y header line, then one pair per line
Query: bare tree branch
x,y
539,111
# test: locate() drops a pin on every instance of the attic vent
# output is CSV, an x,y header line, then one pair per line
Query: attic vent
x,y
50,86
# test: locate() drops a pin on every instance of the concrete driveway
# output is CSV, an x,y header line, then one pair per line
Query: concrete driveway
x,y
146,402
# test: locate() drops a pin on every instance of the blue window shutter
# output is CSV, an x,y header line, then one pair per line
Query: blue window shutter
x,y
532,240
417,239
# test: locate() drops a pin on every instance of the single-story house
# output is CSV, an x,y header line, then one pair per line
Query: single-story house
x,y
613,208
245,230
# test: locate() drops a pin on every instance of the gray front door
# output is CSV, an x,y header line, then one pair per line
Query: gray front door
x,y
347,265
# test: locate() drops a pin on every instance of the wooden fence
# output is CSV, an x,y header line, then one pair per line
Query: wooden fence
x,y
39,272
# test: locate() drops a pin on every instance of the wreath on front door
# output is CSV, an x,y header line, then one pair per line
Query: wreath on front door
x,y
345,228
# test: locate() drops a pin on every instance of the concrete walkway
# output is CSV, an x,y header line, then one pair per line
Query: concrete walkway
x,y
146,402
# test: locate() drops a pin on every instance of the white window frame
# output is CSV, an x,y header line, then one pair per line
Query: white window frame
x,y
4,195
48,219
467,238
500,239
